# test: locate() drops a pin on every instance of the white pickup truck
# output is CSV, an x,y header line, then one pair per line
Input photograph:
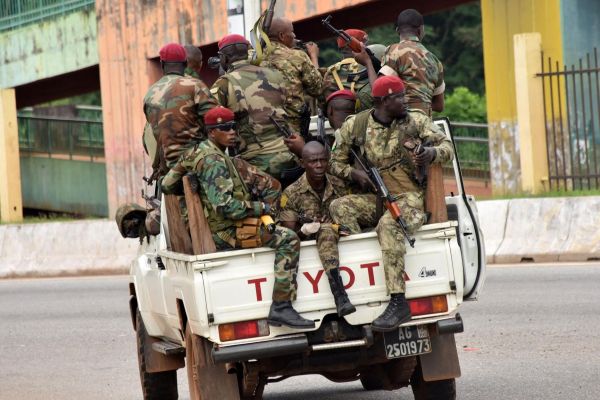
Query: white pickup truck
x,y
208,312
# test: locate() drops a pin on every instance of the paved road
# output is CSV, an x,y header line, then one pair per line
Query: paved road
x,y
535,334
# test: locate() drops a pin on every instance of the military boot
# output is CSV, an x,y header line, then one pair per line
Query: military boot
x,y
396,313
282,313
342,302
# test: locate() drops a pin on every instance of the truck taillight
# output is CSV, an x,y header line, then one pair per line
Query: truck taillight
x,y
243,330
428,305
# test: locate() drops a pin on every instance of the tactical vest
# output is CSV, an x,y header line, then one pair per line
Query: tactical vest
x,y
215,220
396,181
254,125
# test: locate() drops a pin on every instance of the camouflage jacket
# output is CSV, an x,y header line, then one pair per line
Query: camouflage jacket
x,y
384,148
349,74
227,185
302,77
174,107
300,199
421,71
253,93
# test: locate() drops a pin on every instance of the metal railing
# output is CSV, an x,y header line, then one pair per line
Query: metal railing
x,y
572,114
472,146
66,138
15,13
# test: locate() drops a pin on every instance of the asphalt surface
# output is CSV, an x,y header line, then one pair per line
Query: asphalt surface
x,y
534,334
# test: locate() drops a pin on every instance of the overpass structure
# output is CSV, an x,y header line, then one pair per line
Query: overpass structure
x,y
113,45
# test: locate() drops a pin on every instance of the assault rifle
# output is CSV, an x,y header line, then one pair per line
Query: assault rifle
x,y
259,35
383,194
289,175
421,172
321,130
352,42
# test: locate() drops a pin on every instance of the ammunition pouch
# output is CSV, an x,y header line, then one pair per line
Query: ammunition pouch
x,y
247,233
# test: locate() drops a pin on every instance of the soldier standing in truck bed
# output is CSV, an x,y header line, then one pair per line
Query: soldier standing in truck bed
x,y
254,93
174,107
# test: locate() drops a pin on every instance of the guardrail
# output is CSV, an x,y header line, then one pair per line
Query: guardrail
x,y
16,13
56,137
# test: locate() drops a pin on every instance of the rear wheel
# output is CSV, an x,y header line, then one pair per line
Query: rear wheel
x,y
371,381
433,390
155,385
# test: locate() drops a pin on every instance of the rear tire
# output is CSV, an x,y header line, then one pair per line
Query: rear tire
x,y
371,381
155,385
434,390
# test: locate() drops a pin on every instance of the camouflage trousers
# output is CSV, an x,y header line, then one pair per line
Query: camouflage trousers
x,y
327,244
286,244
358,210
274,163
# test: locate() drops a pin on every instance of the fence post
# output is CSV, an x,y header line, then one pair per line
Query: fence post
x,y
11,202
530,113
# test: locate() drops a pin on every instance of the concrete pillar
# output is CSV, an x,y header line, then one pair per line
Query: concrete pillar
x,y
11,203
530,113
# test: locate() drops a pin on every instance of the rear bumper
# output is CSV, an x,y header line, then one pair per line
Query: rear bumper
x,y
299,344
282,347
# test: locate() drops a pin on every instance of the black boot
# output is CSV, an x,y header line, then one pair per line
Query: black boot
x,y
282,313
342,302
396,313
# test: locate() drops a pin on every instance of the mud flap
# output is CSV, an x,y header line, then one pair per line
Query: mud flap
x,y
442,362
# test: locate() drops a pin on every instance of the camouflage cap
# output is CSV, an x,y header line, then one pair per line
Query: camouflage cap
x,y
128,217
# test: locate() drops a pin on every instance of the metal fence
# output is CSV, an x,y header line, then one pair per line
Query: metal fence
x,y
15,13
572,115
54,137
472,146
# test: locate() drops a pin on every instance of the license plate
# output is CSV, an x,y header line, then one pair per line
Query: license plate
x,y
407,341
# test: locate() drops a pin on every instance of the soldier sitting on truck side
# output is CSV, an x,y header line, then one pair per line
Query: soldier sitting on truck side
x,y
226,187
305,209
380,135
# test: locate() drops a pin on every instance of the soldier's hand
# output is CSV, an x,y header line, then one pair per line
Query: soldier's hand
x,y
295,143
310,228
362,57
312,49
362,179
424,158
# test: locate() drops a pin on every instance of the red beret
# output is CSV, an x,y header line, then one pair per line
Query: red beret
x,y
218,115
172,52
385,85
355,33
234,38
342,94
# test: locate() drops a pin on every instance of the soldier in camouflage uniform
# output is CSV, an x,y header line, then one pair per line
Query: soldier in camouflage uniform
x,y
174,107
305,209
194,61
421,71
381,135
299,71
226,187
254,93
349,74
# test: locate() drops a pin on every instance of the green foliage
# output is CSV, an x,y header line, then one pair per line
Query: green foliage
x,y
462,105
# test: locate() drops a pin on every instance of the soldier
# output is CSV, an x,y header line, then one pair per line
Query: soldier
x,y
226,187
349,74
300,72
174,107
305,209
194,61
420,69
339,106
254,93
380,135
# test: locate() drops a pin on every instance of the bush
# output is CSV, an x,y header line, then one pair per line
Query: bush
x,y
462,105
